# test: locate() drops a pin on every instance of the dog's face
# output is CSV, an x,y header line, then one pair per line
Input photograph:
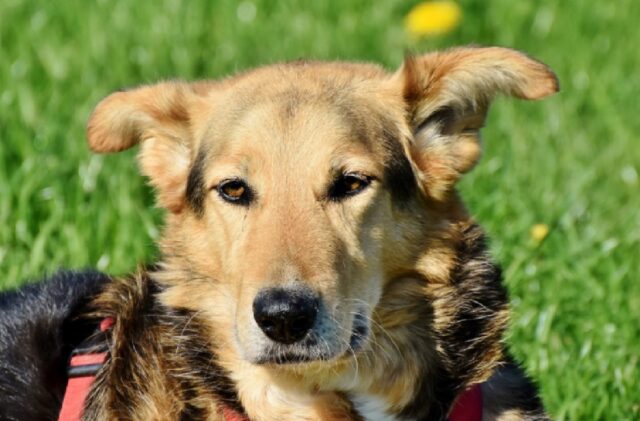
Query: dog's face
x,y
289,194
297,193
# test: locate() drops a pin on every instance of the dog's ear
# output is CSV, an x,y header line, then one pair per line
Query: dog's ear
x,y
447,96
159,117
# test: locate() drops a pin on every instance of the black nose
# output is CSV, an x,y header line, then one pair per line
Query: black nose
x,y
285,314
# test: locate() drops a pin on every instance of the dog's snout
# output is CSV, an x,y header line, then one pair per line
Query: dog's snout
x,y
285,315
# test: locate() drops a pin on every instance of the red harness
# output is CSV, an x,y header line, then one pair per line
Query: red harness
x,y
84,366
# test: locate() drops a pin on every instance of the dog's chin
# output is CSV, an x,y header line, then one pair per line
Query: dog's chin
x,y
295,357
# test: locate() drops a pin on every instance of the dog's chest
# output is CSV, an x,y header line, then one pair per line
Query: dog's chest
x,y
372,408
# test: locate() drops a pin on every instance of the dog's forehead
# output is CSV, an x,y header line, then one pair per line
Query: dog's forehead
x,y
311,118
323,75
301,106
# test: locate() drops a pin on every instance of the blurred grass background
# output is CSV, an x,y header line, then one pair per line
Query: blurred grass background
x,y
570,162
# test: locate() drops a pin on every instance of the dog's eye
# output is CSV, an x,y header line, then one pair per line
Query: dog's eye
x,y
348,185
235,191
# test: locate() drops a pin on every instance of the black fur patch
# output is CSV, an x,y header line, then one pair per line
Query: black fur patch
x,y
399,176
38,330
522,392
196,188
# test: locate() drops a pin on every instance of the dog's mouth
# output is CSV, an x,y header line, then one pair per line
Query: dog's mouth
x,y
314,347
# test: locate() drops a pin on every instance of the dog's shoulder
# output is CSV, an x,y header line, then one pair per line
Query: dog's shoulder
x,y
39,327
162,362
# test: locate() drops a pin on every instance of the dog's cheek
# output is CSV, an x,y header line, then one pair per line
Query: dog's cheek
x,y
227,238
361,272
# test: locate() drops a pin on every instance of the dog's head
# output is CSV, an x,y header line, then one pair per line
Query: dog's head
x,y
297,193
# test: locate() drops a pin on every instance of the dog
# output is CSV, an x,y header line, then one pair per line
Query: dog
x,y
317,262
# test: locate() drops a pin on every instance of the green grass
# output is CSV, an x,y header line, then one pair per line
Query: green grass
x,y
571,162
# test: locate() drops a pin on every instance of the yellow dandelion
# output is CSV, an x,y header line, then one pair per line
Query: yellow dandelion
x,y
539,232
432,18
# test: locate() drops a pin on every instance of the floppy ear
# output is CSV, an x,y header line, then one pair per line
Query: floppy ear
x,y
448,94
159,116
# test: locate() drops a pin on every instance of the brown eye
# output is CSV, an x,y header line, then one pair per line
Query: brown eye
x,y
348,185
235,191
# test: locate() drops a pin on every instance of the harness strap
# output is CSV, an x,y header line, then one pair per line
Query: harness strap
x,y
468,406
233,415
85,363
82,372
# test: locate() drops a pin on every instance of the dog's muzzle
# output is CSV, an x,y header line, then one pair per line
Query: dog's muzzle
x,y
293,325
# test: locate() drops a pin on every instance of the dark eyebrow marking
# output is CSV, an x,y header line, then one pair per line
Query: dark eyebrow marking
x,y
399,177
196,189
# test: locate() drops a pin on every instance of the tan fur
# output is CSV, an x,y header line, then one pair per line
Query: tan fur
x,y
288,130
